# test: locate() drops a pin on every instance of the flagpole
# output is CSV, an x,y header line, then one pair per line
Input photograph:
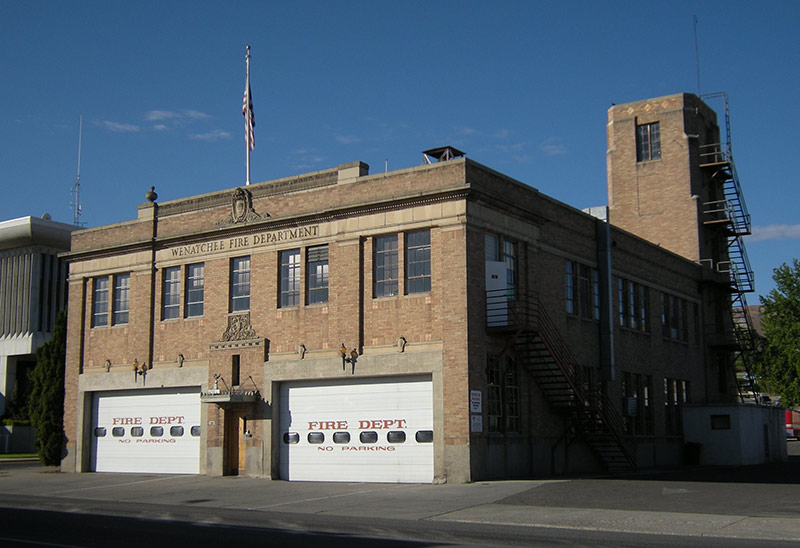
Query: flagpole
x,y
248,114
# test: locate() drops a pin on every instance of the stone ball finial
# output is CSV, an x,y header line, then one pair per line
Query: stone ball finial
x,y
151,195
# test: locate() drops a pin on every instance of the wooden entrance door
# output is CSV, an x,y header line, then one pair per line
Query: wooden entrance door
x,y
235,442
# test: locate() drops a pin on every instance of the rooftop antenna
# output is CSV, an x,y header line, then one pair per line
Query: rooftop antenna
x,y
76,189
697,55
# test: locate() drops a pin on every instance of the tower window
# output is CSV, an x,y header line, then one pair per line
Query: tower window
x,y
648,142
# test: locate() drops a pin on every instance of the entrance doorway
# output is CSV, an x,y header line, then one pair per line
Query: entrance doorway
x,y
235,442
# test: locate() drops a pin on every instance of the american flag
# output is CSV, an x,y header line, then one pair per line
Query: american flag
x,y
249,118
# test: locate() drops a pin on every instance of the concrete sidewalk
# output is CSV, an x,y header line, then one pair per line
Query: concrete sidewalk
x,y
765,506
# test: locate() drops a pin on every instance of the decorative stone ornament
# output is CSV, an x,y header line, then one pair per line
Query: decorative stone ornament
x,y
242,211
239,328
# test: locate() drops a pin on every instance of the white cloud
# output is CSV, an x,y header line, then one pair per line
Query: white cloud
x,y
463,131
774,233
501,134
196,115
553,147
160,127
158,115
154,115
119,128
348,139
210,136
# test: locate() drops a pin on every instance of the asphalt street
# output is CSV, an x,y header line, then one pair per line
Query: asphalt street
x,y
728,505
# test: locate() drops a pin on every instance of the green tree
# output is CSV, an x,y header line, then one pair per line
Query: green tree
x,y
780,319
46,404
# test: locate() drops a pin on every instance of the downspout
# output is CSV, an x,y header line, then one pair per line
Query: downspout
x,y
152,197
604,244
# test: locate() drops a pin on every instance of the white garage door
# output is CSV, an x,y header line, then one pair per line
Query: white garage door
x,y
357,430
147,431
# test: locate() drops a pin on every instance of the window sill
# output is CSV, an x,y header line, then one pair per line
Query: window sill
x,y
632,330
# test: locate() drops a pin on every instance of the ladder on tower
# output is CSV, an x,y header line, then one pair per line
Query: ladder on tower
x,y
731,211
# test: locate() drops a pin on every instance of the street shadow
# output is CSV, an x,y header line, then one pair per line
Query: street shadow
x,y
23,527
787,472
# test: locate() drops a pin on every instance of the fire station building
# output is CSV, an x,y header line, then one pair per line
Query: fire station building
x,y
438,323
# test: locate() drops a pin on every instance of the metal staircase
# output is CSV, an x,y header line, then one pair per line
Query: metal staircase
x,y
546,357
730,213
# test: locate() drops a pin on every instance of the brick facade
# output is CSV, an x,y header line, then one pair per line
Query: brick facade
x,y
441,333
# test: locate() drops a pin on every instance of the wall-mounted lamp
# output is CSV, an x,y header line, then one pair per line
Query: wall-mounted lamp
x,y
108,366
139,369
352,358
180,360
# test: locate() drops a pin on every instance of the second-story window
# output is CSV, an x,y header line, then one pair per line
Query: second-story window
x,y
122,286
386,267
171,293
240,284
418,261
317,274
290,278
570,283
100,302
195,289
500,249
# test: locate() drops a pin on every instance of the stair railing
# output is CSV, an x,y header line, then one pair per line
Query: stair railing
x,y
520,312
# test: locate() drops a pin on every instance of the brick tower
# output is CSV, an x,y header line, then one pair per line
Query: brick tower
x,y
672,181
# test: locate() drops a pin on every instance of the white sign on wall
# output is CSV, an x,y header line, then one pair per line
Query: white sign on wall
x,y
475,401
476,423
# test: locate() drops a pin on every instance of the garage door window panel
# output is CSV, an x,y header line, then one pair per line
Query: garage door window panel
x,y
291,438
316,438
424,436
368,437
176,431
341,437
396,436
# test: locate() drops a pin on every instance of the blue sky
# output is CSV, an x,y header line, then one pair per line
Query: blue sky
x,y
522,87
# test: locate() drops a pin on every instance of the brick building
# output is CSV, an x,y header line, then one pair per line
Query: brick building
x,y
438,323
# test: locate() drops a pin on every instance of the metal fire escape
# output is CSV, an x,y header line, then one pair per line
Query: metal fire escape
x,y
546,357
730,213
